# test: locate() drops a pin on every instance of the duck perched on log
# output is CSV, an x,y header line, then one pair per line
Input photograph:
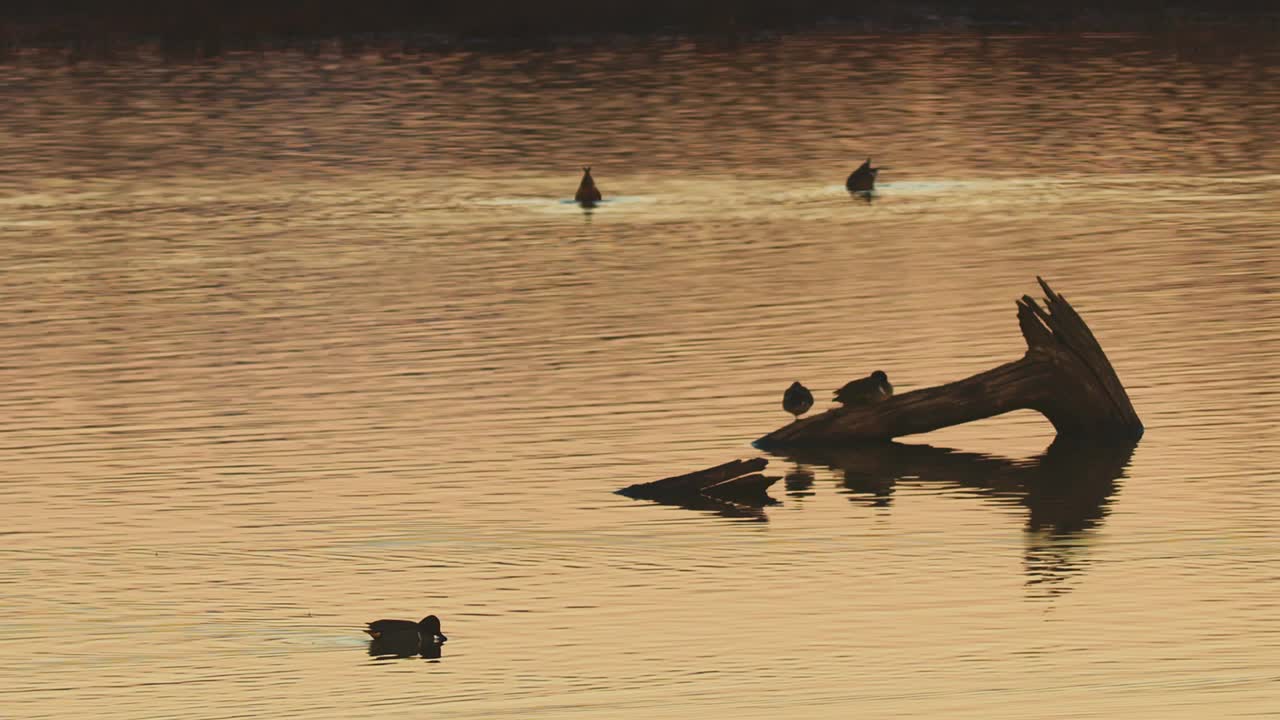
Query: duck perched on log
x,y
588,193
797,399
1064,375
872,388
863,179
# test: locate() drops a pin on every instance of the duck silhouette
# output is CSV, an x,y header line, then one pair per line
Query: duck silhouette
x,y
406,637
872,388
797,399
862,179
588,193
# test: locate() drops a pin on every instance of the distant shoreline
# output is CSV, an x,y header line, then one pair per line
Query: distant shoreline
x,y
182,32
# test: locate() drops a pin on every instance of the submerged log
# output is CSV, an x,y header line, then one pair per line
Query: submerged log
x,y
749,490
738,482
1064,376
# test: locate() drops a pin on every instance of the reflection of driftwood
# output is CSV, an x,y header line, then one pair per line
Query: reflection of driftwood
x,y
1064,375
1066,491
722,488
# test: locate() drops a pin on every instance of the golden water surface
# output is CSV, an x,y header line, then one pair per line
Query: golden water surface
x,y
290,343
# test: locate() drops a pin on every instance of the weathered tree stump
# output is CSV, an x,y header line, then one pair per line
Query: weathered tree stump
x,y
1064,375
733,483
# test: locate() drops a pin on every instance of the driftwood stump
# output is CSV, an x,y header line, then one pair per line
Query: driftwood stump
x,y
1064,375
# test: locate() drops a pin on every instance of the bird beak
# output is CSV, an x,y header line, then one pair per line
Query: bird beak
x,y
443,639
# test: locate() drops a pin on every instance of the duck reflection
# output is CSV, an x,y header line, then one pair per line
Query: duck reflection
x,y
799,482
875,490
402,647
1067,490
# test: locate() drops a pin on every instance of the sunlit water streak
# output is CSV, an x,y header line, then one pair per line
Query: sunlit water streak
x,y
296,343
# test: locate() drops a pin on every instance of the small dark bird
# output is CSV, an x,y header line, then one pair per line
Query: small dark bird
x,y
400,636
797,399
872,388
588,193
863,179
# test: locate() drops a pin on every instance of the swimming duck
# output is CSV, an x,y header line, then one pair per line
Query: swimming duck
x,y
403,633
872,388
863,179
588,193
797,399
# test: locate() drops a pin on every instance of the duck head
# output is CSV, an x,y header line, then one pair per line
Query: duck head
x,y
430,625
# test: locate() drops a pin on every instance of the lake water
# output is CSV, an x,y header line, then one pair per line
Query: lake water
x,y
294,342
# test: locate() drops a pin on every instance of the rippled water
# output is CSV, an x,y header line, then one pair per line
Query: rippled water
x,y
293,343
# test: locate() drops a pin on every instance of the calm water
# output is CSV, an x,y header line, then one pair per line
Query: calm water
x,y
292,343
